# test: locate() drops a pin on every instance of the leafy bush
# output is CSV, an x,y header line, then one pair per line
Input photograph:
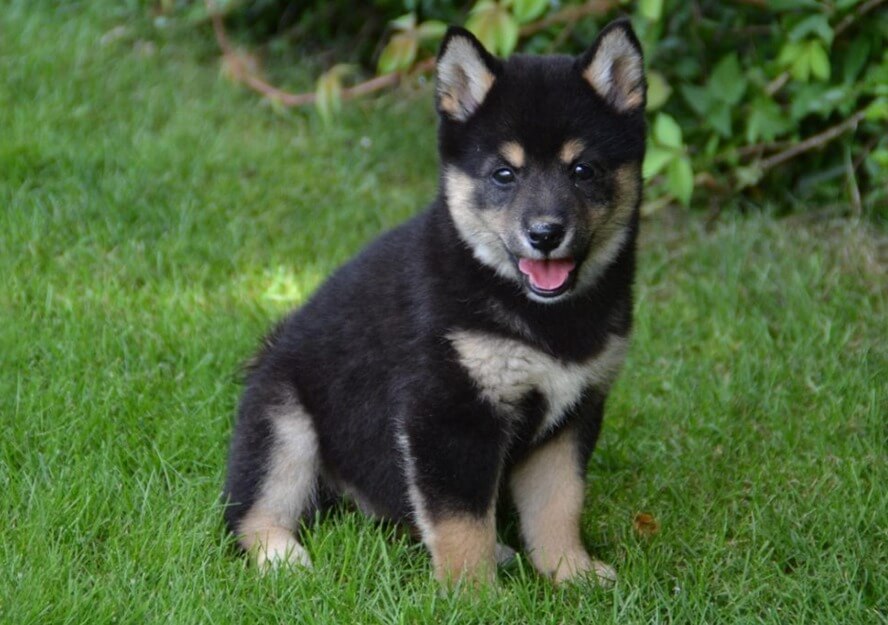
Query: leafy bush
x,y
781,102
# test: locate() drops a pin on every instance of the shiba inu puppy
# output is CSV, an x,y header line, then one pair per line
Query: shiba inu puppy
x,y
466,354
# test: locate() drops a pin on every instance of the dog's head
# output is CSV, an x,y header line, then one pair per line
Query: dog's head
x,y
541,156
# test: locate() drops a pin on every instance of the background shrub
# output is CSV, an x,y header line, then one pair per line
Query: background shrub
x,y
750,102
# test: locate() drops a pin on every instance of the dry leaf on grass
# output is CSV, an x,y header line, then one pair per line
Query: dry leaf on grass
x,y
645,524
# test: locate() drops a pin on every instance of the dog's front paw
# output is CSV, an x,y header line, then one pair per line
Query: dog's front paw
x,y
281,552
575,565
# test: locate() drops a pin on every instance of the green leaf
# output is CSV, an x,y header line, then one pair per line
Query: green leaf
x,y
528,10
792,5
494,27
651,9
816,98
719,118
727,82
855,59
431,29
680,179
658,90
766,121
819,60
406,22
328,94
816,24
698,98
789,54
877,110
398,54
667,131
879,157
507,35
748,176
711,146
875,78
655,159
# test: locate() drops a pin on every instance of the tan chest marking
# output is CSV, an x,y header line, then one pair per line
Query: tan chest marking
x,y
505,370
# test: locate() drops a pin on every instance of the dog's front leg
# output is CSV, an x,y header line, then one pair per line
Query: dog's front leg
x,y
548,490
452,464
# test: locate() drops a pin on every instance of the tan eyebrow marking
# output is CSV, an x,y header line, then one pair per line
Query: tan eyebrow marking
x,y
571,150
514,153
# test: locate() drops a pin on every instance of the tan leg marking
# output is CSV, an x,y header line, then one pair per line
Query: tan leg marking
x,y
267,530
271,545
548,492
513,153
463,548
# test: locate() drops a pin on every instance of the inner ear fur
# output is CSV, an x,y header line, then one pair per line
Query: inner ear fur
x,y
614,67
465,74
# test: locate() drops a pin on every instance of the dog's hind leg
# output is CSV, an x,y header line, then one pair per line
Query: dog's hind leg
x,y
272,478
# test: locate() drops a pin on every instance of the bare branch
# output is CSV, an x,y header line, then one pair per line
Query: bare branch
x,y
859,12
242,73
815,141
569,14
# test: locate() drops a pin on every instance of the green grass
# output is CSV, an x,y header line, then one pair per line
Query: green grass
x,y
155,220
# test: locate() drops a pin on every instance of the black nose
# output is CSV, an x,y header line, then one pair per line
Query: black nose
x,y
545,235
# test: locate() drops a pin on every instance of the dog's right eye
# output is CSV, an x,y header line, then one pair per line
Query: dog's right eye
x,y
504,175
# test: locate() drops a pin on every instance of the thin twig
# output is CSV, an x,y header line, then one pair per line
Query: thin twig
x,y
853,188
569,14
859,12
777,84
815,141
242,73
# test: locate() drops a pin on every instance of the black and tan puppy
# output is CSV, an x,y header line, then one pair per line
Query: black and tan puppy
x,y
469,351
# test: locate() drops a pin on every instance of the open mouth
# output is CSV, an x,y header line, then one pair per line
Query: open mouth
x,y
548,277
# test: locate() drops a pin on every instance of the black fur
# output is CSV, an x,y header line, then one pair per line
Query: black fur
x,y
368,355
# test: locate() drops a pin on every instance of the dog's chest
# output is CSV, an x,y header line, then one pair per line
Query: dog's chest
x,y
506,371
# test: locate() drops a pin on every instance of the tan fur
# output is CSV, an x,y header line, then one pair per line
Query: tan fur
x,y
548,492
464,548
270,543
478,228
616,72
571,150
268,528
463,79
513,153
610,225
505,370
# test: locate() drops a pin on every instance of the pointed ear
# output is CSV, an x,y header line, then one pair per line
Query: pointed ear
x,y
614,66
466,72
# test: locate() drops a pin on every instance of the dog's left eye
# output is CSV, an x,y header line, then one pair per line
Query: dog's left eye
x,y
582,171
504,175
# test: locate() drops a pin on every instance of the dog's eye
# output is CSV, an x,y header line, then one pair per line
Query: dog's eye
x,y
504,175
583,171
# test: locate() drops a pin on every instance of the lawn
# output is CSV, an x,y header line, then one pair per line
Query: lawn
x,y
155,220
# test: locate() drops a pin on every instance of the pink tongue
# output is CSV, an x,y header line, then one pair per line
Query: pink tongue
x,y
546,275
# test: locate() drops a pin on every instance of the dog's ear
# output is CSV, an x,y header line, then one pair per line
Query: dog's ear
x,y
614,66
466,72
